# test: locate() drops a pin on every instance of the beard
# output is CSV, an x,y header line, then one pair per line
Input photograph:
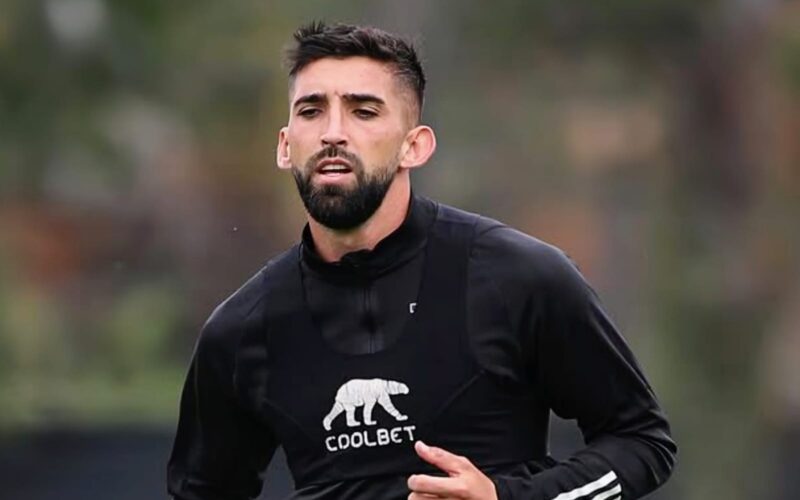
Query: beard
x,y
343,207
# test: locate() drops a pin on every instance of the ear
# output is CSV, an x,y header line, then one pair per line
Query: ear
x,y
419,145
282,156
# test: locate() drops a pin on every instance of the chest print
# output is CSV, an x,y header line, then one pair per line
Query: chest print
x,y
365,394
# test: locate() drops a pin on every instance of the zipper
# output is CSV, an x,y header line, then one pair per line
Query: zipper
x,y
370,317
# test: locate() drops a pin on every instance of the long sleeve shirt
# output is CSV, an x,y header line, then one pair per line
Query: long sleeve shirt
x,y
532,319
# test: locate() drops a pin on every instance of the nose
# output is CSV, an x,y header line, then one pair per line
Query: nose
x,y
334,133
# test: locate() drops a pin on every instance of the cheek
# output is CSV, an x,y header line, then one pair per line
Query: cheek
x,y
300,149
385,148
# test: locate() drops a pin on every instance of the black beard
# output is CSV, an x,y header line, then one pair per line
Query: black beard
x,y
338,207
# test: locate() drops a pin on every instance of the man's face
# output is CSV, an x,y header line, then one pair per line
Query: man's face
x,y
348,122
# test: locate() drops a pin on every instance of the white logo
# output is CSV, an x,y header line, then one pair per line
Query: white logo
x,y
366,393
411,307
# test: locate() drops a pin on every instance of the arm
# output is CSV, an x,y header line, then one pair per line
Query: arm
x,y
585,371
220,450
568,350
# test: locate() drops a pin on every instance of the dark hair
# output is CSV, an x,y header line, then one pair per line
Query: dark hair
x,y
317,40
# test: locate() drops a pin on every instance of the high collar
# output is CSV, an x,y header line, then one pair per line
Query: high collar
x,y
397,248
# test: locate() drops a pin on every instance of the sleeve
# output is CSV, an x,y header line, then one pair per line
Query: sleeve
x,y
585,371
220,450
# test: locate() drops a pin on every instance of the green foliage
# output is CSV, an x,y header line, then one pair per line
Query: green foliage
x,y
125,374
135,337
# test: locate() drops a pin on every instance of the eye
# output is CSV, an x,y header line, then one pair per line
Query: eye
x,y
308,112
365,114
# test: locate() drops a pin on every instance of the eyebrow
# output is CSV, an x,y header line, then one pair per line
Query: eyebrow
x,y
318,97
314,98
364,98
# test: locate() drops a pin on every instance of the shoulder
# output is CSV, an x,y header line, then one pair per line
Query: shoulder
x,y
520,263
494,239
537,260
242,311
510,253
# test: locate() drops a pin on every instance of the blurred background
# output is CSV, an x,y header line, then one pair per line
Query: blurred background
x,y
657,142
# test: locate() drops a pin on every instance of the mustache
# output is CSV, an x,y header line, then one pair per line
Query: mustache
x,y
333,151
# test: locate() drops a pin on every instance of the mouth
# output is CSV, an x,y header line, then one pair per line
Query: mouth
x,y
333,168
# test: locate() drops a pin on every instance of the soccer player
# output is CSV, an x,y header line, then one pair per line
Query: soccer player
x,y
404,348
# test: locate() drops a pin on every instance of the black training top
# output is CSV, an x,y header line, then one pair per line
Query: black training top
x,y
534,336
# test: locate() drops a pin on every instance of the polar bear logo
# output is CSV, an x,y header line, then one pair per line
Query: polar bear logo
x,y
365,392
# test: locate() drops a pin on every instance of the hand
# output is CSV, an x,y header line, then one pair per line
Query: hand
x,y
465,481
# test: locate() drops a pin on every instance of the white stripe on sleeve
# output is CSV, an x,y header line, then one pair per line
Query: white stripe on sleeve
x,y
588,488
613,491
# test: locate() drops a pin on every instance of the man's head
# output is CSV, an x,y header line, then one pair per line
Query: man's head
x,y
318,41
356,95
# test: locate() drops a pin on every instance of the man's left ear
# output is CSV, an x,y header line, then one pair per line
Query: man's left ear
x,y
419,145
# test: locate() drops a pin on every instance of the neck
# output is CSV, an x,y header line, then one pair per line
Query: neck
x,y
332,244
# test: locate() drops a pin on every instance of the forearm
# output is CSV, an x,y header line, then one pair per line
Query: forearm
x,y
624,467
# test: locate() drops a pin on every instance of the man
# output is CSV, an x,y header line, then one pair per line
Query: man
x,y
405,349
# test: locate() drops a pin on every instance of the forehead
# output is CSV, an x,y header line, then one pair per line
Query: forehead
x,y
351,75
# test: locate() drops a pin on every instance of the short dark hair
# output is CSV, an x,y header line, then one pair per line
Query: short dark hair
x,y
318,40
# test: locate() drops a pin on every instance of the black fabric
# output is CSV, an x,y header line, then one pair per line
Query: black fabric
x,y
462,411
535,331
374,287
432,337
